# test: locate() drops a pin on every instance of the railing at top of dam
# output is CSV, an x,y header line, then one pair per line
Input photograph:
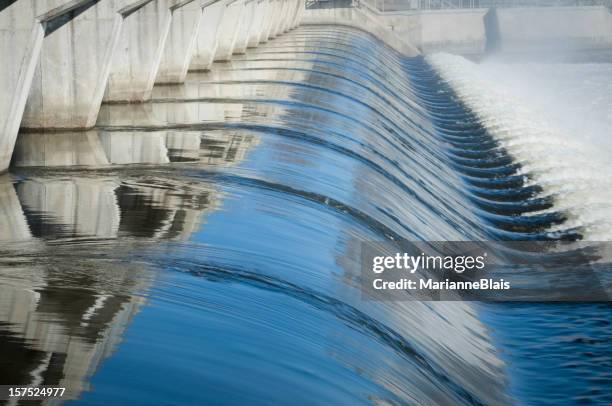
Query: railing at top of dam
x,y
401,5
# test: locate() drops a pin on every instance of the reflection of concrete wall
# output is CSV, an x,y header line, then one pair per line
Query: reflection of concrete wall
x,y
83,207
148,148
110,208
127,148
65,342
13,223
59,149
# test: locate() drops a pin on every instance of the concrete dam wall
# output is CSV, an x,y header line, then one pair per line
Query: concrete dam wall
x,y
473,31
63,58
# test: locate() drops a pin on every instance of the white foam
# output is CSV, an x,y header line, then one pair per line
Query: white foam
x,y
556,120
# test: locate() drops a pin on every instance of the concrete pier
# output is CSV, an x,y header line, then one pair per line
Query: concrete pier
x,y
278,20
138,56
256,30
74,63
63,58
208,38
21,38
231,24
248,20
291,9
181,42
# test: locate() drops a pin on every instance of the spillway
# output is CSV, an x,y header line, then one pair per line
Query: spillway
x,y
219,225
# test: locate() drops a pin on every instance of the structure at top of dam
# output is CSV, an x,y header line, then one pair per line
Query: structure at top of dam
x,y
63,58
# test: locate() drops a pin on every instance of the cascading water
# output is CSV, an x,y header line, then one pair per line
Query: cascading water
x,y
554,120
240,229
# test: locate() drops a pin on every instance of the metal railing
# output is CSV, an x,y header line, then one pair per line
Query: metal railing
x,y
397,5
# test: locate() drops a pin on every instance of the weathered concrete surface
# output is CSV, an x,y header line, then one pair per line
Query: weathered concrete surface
x,y
474,31
73,68
248,21
208,37
272,14
278,21
57,71
359,19
291,10
300,12
181,42
21,38
255,33
231,24
457,31
552,28
138,55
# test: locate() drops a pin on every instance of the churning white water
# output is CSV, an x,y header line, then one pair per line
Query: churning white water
x,y
556,120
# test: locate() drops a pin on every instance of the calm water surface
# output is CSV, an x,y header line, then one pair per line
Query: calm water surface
x,y
204,247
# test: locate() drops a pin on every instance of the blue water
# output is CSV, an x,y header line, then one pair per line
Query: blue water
x,y
208,250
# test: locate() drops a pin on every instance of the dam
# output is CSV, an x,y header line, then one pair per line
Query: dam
x,y
187,188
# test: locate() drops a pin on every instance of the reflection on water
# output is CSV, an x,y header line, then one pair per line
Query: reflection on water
x,y
67,287
233,206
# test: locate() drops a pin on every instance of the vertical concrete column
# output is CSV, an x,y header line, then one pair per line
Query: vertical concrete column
x,y
231,24
181,42
138,55
248,20
301,6
208,37
276,28
258,24
21,38
270,19
300,12
74,65
291,10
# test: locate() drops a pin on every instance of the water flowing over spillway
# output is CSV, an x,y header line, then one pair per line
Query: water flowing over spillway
x,y
221,265
554,120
